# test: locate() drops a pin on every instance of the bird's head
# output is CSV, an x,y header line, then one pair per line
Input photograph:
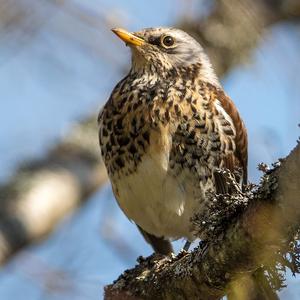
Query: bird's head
x,y
163,50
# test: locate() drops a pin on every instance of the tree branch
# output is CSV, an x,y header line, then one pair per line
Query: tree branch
x,y
39,195
251,240
234,28
44,191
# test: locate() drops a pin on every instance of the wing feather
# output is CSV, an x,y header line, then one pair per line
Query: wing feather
x,y
241,140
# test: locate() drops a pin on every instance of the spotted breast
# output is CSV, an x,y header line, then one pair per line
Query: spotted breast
x,y
161,148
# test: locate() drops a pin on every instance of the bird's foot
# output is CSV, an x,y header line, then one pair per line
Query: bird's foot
x,y
153,258
182,253
141,259
203,244
185,250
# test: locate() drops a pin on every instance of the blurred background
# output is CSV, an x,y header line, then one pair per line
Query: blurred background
x,y
62,235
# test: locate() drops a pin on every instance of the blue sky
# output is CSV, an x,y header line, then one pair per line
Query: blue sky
x,y
41,100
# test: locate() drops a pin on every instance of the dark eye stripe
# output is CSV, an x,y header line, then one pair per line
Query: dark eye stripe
x,y
154,41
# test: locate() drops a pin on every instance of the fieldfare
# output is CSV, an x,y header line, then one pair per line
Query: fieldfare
x,y
166,129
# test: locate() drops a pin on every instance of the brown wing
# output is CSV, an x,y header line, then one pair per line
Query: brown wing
x,y
240,157
210,107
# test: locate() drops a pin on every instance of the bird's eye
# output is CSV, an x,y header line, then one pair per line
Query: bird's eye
x,y
168,41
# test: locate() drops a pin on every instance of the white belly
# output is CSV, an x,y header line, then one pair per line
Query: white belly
x,y
158,202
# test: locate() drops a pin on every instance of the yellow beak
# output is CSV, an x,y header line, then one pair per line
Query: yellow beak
x,y
128,37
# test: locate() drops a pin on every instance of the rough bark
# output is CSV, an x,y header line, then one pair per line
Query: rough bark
x,y
73,170
252,240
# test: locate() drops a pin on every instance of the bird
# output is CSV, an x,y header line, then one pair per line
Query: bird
x,y
165,131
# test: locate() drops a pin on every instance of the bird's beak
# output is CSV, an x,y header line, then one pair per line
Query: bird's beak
x,y
127,37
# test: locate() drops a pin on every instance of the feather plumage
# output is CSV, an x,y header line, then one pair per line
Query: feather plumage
x,y
166,129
